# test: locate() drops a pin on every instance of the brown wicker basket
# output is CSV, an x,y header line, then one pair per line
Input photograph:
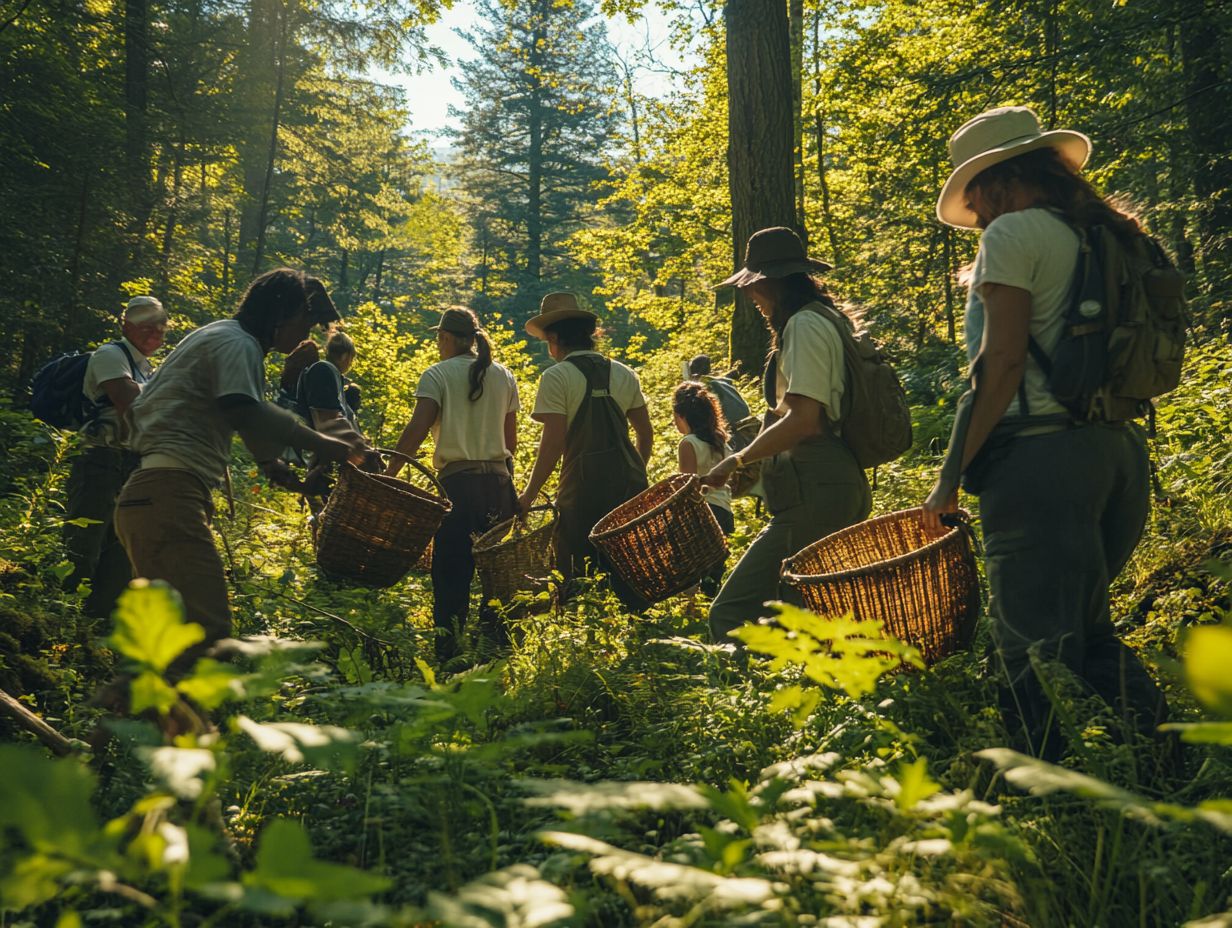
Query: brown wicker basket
x,y
924,590
374,528
516,555
663,540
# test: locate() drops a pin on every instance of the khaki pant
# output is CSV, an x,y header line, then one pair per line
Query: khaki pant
x,y
96,554
163,519
812,491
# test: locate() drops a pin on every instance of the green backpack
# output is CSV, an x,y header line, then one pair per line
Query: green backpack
x,y
1124,337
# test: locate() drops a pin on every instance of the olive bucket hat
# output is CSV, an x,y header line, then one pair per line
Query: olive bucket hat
x,y
990,138
774,252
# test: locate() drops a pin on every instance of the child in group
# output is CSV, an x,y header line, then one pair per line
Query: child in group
x,y
699,419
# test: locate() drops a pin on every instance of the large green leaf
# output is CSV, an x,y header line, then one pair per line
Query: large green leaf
x,y
1208,657
150,627
47,801
296,742
516,897
286,867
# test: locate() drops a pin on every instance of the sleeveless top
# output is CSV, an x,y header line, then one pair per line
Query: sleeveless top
x,y
707,457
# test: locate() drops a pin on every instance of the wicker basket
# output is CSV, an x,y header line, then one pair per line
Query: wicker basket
x,y
516,555
924,590
663,540
374,528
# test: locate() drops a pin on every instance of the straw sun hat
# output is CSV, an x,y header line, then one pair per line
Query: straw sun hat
x,y
555,308
998,135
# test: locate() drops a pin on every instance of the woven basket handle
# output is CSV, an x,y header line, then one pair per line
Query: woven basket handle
x,y
548,505
426,471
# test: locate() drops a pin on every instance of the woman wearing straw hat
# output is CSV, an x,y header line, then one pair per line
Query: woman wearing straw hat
x,y
1062,504
470,404
813,485
586,403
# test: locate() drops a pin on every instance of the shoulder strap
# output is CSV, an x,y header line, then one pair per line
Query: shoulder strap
x,y
138,376
596,370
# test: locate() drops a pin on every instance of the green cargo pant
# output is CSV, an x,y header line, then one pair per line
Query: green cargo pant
x,y
96,554
1061,514
163,518
812,491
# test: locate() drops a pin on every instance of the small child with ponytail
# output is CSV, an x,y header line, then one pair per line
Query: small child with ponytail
x,y
699,419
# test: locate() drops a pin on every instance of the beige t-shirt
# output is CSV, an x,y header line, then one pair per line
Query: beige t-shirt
x,y
109,362
465,430
707,457
563,387
810,362
177,413
1033,250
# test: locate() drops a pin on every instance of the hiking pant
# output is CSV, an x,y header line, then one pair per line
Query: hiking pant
x,y
1062,513
480,501
94,482
163,518
812,491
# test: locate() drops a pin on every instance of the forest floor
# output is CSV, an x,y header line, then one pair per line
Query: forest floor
x,y
610,769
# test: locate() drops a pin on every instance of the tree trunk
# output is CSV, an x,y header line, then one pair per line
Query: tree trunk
x,y
1209,114
136,105
534,164
796,24
759,150
257,83
263,197
819,132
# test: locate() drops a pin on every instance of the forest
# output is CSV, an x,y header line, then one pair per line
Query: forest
x,y
609,768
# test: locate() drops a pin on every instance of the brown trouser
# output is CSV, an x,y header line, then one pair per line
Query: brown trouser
x,y
163,520
94,483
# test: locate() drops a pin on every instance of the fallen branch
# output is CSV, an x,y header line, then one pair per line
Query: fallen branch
x,y
17,711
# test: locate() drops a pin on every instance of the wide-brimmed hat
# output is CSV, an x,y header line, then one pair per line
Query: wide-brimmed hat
x,y
321,308
774,252
994,136
556,307
457,320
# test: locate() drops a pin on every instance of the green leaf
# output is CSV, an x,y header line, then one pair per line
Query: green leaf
x,y
150,627
286,867
47,801
516,897
801,703
1208,655
1202,732
321,745
211,684
179,770
151,691
915,784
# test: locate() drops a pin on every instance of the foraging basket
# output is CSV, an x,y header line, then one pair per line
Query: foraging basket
x,y
516,555
924,590
663,540
375,528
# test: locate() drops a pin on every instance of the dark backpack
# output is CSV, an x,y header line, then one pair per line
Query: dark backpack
x,y
57,394
735,409
1123,341
876,420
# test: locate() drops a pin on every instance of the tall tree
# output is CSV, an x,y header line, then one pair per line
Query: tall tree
x,y
537,123
759,146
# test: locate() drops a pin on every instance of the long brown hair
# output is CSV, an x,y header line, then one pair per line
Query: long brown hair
x,y
698,407
1059,187
794,292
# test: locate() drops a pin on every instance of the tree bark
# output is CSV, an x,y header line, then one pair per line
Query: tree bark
x,y
534,163
796,26
759,147
1209,116
257,83
136,130
267,183
819,132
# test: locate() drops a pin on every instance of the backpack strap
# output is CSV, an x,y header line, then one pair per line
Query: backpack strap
x,y
138,377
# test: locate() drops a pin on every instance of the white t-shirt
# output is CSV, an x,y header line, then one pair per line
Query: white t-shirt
x,y
1034,250
177,414
109,362
810,362
465,430
563,387
707,457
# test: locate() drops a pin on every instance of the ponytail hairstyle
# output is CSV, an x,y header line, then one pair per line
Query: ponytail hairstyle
x,y
698,407
479,367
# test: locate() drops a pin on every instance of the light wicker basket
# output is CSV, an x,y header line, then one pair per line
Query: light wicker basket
x,y
923,589
375,528
516,555
663,540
